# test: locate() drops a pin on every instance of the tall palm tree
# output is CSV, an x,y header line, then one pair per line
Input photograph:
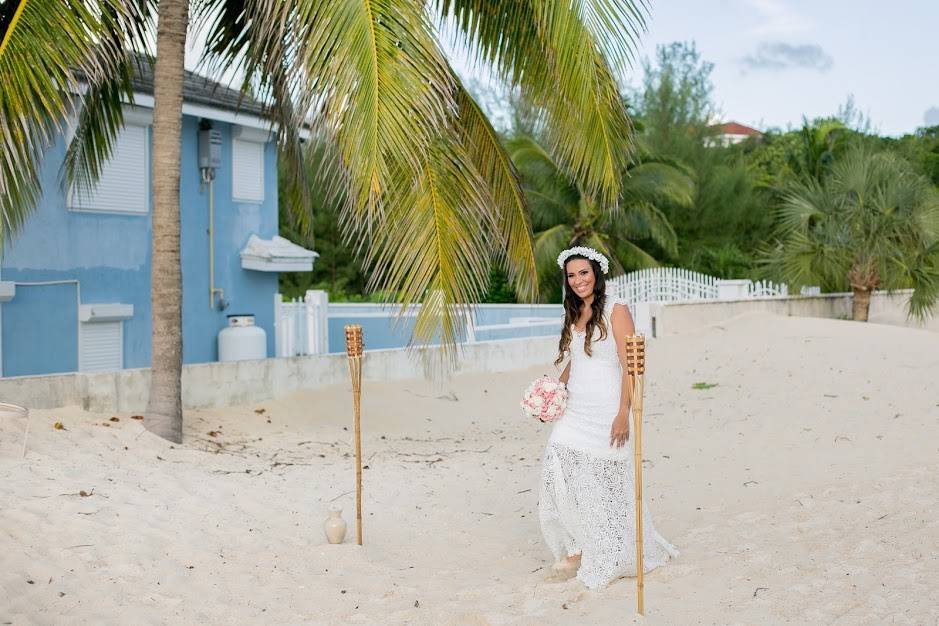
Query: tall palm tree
x,y
164,414
430,194
564,214
872,223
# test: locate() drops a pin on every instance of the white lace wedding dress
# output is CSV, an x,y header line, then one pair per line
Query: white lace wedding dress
x,y
587,497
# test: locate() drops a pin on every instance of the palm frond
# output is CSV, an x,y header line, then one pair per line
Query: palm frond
x,y
548,244
924,278
643,219
801,206
434,244
632,257
366,74
43,51
658,183
517,255
560,55
552,196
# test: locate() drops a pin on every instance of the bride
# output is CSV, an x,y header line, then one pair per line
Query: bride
x,y
587,498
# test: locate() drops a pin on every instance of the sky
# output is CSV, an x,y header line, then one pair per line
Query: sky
x,y
776,61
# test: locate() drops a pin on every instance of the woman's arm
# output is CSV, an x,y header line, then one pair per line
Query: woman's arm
x,y
566,374
623,327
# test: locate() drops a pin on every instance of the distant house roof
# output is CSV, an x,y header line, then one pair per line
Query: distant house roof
x,y
197,90
733,128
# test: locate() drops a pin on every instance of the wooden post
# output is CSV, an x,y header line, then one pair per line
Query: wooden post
x,y
354,349
635,369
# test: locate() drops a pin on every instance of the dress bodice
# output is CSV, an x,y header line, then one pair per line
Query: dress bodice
x,y
603,350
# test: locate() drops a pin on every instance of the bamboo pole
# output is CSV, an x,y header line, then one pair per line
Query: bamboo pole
x,y
354,349
635,369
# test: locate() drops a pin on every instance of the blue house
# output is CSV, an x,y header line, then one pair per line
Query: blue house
x,y
75,280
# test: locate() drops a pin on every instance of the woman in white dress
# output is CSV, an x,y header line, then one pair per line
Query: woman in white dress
x,y
587,497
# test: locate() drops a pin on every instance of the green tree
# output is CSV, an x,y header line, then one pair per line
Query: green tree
x,y
920,148
729,214
820,143
675,102
563,214
872,223
429,191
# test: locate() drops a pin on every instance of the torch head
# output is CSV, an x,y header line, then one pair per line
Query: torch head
x,y
354,343
636,355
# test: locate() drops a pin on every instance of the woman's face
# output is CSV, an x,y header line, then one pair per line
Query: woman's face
x,y
580,277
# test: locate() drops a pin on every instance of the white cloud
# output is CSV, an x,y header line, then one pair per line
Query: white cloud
x,y
777,56
931,116
778,18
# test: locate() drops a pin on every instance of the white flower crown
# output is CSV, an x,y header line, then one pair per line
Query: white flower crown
x,y
589,253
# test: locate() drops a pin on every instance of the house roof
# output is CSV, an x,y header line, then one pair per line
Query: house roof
x,y
733,128
196,89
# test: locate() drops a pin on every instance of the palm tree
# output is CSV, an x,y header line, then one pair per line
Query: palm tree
x,y
820,142
431,196
164,414
564,214
872,223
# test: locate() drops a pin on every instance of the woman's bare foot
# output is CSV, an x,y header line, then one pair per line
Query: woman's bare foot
x,y
566,569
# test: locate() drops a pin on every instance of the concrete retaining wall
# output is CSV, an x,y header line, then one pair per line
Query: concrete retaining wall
x,y
208,385
223,384
679,317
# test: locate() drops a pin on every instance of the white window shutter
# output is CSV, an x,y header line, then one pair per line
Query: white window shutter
x,y
101,346
123,186
247,171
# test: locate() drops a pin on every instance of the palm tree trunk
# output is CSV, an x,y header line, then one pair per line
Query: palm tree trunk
x,y
861,303
164,415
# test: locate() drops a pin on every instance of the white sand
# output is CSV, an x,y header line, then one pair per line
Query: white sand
x,y
802,489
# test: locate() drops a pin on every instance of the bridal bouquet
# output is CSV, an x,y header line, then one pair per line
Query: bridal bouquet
x,y
545,399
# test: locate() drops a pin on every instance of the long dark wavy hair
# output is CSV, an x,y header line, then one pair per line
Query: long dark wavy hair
x,y
572,304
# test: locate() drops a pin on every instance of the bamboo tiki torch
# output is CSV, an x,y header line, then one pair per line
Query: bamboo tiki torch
x,y
354,346
636,368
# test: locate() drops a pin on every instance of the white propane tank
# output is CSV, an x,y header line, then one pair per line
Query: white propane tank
x,y
242,340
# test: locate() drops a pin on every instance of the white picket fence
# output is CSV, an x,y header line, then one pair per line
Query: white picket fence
x,y
301,326
662,284
673,284
657,285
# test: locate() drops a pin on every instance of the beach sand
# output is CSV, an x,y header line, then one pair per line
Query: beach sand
x,y
801,489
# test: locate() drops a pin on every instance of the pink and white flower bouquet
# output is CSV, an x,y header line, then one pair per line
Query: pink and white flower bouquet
x,y
545,399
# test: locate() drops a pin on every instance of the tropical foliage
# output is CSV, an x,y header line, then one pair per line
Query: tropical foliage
x,y
563,214
872,223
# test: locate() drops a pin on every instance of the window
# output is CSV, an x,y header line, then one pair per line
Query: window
x,y
247,170
124,185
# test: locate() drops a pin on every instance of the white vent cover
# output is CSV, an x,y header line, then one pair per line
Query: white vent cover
x,y
123,186
247,166
100,346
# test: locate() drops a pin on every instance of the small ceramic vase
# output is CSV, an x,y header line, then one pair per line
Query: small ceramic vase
x,y
335,526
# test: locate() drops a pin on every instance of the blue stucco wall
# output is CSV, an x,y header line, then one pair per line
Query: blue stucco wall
x,y
246,291
109,255
381,328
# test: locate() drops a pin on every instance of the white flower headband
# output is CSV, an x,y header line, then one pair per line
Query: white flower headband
x,y
589,253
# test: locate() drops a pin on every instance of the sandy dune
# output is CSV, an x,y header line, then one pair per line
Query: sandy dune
x,y
801,489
